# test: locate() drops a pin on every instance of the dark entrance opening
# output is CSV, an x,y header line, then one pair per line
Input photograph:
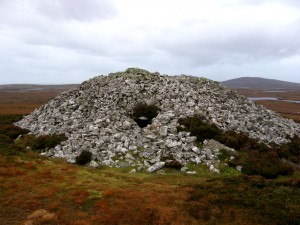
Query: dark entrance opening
x,y
142,122
143,114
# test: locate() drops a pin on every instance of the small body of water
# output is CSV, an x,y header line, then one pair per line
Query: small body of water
x,y
274,91
263,98
272,99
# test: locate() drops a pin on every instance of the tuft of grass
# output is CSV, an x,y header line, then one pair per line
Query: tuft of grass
x,y
223,154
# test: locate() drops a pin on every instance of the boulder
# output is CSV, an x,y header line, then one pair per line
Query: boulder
x,y
155,167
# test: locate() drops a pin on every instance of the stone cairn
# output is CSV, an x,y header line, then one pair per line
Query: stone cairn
x,y
95,117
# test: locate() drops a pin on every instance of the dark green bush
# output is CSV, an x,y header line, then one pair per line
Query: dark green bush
x,y
47,141
292,149
143,114
7,146
5,140
265,164
240,141
224,154
9,119
12,131
286,169
255,158
8,133
199,127
84,158
41,142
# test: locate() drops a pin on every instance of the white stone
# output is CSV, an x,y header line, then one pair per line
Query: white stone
x,y
155,167
93,163
163,131
239,168
128,156
184,169
191,172
172,144
133,171
197,160
196,150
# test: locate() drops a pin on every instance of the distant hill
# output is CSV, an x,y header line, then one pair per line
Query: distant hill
x,y
260,83
34,87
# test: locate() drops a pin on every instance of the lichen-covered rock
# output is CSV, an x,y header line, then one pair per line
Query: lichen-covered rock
x,y
95,117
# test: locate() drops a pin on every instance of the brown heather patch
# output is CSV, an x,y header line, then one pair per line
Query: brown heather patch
x,y
286,109
122,198
18,108
24,102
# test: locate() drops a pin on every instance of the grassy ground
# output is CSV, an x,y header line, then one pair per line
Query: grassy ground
x,y
38,190
81,195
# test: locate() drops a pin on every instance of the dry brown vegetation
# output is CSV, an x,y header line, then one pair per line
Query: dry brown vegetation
x,y
24,102
81,195
286,109
37,190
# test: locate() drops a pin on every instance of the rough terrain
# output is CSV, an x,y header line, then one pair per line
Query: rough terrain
x,y
95,117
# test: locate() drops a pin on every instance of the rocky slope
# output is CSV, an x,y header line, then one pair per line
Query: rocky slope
x,y
95,117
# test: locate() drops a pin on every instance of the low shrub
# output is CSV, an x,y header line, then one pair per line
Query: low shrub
x,y
84,158
291,150
265,164
254,200
8,148
41,142
240,141
255,158
223,154
199,127
10,118
5,140
48,141
12,131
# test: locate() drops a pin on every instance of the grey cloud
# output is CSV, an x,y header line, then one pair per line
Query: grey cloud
x,y
69,41
80,10
233,44
259,2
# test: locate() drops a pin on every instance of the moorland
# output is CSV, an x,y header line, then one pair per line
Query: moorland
x,y
39,190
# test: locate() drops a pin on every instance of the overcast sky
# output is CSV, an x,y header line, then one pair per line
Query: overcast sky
x,y
69,41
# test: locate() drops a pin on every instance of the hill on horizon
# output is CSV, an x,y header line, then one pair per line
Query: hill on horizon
x,y
260,83
34,87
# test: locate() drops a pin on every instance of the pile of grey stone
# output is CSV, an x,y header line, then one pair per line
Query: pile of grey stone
x,y
95,117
